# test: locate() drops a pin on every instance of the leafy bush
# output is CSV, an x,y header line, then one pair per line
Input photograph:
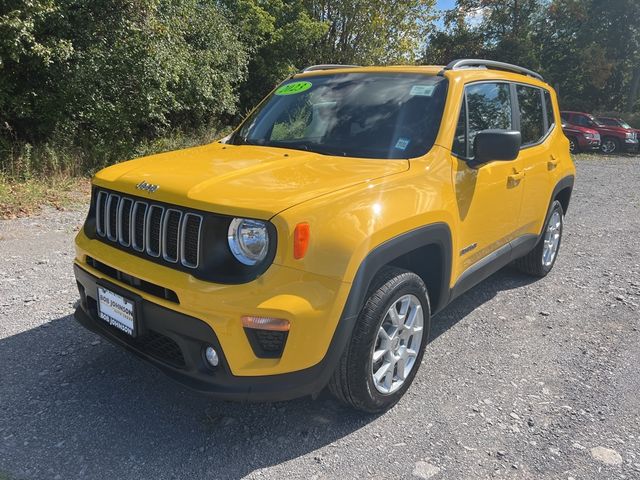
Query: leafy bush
x,y
88,82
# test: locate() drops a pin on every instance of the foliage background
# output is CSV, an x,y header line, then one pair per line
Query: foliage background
x,y
84,83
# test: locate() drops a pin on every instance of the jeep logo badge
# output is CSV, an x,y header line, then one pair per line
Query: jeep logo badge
x,y
149,187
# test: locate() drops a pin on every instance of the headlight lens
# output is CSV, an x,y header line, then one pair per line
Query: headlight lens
x,y
248,240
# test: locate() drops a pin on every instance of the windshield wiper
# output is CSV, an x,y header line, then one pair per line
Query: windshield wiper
x,y
307,147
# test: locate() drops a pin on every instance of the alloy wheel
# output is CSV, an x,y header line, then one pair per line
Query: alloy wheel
x,y
397,344
609,146
552,239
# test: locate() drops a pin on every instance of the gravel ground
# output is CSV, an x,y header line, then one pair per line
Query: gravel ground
x,y
523,379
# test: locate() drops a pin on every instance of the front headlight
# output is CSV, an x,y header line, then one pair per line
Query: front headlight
x,y
589,135
630,135
248,240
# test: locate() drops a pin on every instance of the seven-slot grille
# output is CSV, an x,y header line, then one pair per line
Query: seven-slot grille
x,y
158,231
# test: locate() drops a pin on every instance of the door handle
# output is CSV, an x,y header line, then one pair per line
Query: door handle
x,y
553,163
516,176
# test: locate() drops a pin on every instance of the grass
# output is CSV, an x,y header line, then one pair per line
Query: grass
x,y
27,197
27,186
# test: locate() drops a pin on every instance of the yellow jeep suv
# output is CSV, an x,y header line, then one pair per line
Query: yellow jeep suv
x,y
314,245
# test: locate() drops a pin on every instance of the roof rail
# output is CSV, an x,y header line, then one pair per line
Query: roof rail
x,y
328,66
491,64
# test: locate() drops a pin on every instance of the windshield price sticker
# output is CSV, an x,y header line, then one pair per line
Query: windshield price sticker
x,y
422,90
293,88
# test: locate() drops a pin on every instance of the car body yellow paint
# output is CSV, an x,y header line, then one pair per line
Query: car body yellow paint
x,y
352,206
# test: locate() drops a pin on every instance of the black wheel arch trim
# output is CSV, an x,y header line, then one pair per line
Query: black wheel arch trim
x,y
438,234
433,234
563,183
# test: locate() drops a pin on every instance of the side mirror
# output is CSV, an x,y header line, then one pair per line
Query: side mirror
x,y
496,145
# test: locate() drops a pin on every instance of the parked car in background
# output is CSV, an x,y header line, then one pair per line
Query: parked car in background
x,y
581,139
617,122
614,139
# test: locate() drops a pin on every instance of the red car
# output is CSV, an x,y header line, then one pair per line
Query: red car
x,y
617,122
581,139
614,139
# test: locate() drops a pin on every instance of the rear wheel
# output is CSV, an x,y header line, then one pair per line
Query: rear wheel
x,y
387,343
541,259
610,145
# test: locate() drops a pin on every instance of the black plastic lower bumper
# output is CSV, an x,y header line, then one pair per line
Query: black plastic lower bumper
x,y
174,343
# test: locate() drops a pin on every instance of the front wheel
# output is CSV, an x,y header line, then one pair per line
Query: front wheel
x,y
387,343
573,145
610,145
542,258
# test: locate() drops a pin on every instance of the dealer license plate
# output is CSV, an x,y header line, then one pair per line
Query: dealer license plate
x,y
117,311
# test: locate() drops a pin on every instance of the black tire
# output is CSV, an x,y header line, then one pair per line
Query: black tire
x,y
610,145
352,382
573,145
533,263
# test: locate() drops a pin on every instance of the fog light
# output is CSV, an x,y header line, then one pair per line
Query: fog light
x,y
212,356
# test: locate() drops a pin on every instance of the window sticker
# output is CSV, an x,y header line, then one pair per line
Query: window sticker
x,y
402,143
422,90
293,88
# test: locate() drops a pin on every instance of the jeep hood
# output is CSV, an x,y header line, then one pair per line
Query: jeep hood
x,y
244,180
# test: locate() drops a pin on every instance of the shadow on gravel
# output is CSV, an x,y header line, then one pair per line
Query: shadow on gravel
x,y
73,407
506,279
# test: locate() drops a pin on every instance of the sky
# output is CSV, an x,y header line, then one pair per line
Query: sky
x,y
448,5
444,5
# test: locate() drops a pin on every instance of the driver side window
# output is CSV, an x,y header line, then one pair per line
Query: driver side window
x,y
489,106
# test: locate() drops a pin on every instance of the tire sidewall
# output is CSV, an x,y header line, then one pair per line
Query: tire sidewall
x,y
573,145
616,146
361,354
555,207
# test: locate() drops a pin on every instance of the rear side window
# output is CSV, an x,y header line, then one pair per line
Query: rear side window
x,y
551,119
489,107
531,114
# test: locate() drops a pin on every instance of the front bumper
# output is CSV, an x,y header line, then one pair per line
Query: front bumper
x,y
589,144
631,146
174,342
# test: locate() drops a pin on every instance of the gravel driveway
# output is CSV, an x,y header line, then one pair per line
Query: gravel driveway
x,y
523,379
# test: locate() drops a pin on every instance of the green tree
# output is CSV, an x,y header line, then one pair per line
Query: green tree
x,y
493,29
103,76
279,35
371,32
29,50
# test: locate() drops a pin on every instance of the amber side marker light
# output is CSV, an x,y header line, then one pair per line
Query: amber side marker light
x,y
265,323
301,237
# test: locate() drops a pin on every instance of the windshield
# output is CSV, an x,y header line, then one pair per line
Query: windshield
x,y
614,122
367,115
